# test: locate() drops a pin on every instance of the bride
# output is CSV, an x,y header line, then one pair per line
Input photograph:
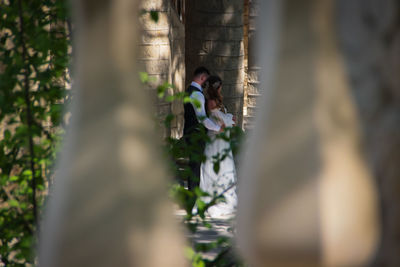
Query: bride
x,y
222,180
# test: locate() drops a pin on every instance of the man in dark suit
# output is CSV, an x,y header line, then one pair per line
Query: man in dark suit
x,y
196,123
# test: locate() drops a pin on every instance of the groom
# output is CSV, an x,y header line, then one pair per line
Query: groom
x,y
195,123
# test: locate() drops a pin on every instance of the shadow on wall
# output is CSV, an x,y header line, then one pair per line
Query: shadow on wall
x,y
214,39
162,49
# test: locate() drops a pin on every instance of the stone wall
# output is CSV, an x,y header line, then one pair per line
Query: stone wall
x,y
252,90
214,39
162,53
211,36
177,69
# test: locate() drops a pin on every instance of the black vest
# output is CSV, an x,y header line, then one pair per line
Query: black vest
x,y
191,122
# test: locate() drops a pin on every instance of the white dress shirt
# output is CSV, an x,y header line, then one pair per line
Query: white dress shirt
x,y
201,112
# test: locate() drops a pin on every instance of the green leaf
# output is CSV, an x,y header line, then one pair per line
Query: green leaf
x,y
200,193
7,134
216,167
170,98
191,226
199,262
21,130
168,119
26,242
189,253
201,205
160,91
13,203
55,113
185,198
23,206
14,178
27,173
144,77
196,103
154,15
208,225
204,247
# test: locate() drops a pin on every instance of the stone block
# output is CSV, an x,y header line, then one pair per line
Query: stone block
x,y
232,5
149,52
252,76
220,6
177,32
223,19
152,94
163,108
253,88
234,104
221,64
165,52
174,17
227,48
251,101
254,10
177,74
222,33
205,48
209,6
158,5
177,129
235,90
177,108
204,60
223,48
241,48
252,23
234,63
157,79
233,76
177,48
156,66
192,48
155,37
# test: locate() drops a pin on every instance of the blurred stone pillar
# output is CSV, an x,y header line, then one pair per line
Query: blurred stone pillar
x,y
306,192
369,34
109,205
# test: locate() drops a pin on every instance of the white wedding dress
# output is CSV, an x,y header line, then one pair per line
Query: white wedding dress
x,y
216,183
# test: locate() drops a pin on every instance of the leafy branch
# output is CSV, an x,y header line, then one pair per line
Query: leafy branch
x,y
28,110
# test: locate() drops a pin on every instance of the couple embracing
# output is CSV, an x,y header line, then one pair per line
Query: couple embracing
x,y
206,114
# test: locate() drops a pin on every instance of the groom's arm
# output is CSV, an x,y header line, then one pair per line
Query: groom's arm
x,y
201,113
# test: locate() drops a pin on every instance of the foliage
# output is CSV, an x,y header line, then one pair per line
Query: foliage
x,y
34,55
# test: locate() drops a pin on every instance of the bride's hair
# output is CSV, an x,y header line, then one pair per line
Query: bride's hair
x,y
211,85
